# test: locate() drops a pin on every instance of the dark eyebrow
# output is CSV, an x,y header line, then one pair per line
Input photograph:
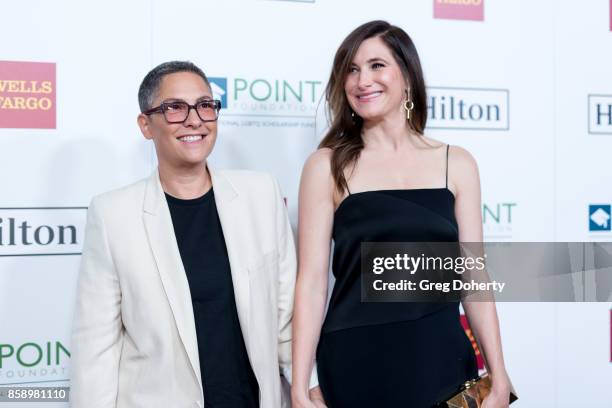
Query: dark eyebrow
x,y
377,59
371,60
200,99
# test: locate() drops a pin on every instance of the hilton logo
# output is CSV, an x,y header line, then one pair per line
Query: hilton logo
x,y
600,114
27,95
468,108
459,9
41,231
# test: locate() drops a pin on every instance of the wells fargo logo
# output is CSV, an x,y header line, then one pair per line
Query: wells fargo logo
x,y
468,332
459,9
27,95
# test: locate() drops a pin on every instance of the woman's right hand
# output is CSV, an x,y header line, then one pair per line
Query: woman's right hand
x,y
307,403
316,396
302,402
314,399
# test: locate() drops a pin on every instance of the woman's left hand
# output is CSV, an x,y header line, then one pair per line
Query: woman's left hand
x,y
498,398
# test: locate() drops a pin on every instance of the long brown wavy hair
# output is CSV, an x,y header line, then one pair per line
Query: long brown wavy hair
x,y
344,134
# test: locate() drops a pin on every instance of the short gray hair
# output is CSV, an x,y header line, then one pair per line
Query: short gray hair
x,y
150,84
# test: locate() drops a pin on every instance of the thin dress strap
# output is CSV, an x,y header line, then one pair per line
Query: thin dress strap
x,y
447,146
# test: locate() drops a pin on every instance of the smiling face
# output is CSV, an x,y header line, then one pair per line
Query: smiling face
x,y
375,87
180,145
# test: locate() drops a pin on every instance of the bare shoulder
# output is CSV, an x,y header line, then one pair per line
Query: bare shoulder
x,y
461,158
462,167
317,184
319,163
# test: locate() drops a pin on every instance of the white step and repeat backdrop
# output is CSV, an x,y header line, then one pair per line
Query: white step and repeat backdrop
x,y
524,85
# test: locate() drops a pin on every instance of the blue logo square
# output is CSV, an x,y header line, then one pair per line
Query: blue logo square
x,y
219,89
599,217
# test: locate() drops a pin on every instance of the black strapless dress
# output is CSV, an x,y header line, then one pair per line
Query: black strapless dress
x,y
390,354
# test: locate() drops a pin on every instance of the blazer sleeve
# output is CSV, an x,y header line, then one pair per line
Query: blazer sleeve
x,y
286,282
97,334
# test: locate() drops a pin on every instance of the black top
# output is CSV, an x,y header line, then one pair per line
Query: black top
x,y
408,215
227,375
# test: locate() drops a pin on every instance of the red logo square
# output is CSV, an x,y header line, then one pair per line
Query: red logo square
x,y
459,9
27,95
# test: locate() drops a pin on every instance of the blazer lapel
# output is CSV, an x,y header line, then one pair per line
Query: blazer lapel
x,y
160,231
227,200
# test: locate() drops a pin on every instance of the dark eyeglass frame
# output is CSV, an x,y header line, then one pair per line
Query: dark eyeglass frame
x,y
216,105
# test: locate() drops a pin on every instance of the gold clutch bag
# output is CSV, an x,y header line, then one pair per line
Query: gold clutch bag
x,y
472,393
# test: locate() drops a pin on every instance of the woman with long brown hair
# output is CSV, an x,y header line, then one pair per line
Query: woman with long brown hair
x,y
376,177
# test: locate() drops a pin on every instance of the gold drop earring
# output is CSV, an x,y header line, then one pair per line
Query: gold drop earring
x,y
408,106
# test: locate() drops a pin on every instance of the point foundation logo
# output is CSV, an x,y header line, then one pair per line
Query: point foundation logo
x,y
497,220
459,9
219,89
599,217
267,96
32,362
267,102
27,95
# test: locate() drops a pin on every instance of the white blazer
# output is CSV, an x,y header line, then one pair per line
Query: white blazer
x,y
134,340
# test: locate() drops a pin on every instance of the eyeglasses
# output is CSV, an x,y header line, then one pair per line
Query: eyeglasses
x,y
178,111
